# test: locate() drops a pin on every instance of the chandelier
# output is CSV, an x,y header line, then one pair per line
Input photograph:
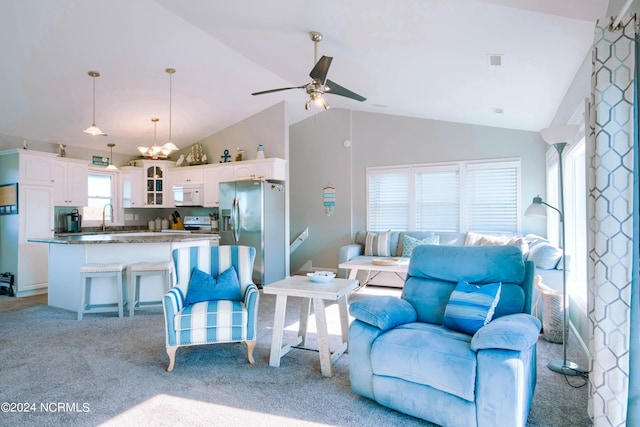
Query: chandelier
x,y
156,151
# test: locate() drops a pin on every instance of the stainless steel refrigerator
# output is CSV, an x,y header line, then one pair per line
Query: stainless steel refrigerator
x,y
252,214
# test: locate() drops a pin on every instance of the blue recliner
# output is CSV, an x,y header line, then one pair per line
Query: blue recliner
x,y
402,356
217,320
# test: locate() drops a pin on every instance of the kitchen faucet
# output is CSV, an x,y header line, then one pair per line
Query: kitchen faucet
x,y
103,214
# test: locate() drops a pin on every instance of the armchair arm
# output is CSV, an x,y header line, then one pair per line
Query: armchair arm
x,y
348,252
383,312
515,332
251,296
172,303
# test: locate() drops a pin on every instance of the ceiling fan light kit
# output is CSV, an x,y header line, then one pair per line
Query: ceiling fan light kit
x,y
320,85
93,129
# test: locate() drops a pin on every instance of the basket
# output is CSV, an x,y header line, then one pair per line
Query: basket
x,y
552,312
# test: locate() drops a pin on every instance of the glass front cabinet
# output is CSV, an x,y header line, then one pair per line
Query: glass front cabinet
x,y
155,182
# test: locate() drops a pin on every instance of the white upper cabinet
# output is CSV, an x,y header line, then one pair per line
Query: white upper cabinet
x,y
131,194
36,168
273,168
70,182
190,175
214,174
155,185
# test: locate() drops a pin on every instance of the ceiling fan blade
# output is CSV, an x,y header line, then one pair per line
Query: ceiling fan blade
x,y
278,90
336,89
320,70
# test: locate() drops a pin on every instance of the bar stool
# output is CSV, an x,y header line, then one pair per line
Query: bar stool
x,y
91,271
136,271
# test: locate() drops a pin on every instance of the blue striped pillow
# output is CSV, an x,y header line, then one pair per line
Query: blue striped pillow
x,y
470,306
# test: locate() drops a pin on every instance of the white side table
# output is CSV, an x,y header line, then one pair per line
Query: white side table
x,y
301,286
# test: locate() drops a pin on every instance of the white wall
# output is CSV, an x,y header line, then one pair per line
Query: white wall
x,y
318,158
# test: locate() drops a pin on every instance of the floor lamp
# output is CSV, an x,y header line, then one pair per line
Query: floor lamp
x,y
557,136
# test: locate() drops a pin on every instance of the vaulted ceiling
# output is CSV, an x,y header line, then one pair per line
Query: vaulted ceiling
x,y
417,58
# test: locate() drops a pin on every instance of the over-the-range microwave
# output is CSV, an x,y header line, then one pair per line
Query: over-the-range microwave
x,y
187,195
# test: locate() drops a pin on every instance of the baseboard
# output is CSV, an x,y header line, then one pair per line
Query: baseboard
x,y
581,344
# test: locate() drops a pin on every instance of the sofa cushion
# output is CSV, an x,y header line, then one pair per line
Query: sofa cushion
x,y
427,354
204,287
470,306
212,314
383,312
409,243
377,244
475,239
545,255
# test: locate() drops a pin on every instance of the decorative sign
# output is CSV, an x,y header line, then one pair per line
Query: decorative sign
x,y
9,199
329,200
100,160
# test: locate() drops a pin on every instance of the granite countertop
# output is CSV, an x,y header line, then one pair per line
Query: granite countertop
x,y
139,237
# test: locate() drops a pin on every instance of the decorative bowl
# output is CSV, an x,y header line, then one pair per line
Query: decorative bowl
x,y
321,276
385,261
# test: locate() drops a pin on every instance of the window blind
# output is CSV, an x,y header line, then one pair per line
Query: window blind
x,y
492,194
437,201
461,196
388,201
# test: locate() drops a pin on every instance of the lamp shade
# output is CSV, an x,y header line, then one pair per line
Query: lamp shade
x,y
561,133
536,208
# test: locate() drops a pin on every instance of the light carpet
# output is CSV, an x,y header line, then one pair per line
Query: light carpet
x,y
110,371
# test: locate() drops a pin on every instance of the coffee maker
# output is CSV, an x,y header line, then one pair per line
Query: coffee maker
x,y
73,221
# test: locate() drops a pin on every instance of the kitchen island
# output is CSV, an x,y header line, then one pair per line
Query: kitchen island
x,y
68,252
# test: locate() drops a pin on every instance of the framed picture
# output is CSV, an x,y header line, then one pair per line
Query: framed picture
x,y
9,199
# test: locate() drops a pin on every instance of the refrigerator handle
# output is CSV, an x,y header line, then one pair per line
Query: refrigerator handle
x,y
235,217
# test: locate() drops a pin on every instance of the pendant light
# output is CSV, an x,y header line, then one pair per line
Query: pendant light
x,y
93,129
111,166
169,146
154,152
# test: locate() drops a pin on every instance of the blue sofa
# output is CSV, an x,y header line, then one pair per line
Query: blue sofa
x,y
402,356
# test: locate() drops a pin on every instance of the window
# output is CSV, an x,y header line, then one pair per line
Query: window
x,y
102,186
461,196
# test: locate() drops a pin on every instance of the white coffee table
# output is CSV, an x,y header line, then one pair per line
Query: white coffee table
x,y
365,263
302,286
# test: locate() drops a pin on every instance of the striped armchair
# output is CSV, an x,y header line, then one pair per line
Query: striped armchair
x,y
211,322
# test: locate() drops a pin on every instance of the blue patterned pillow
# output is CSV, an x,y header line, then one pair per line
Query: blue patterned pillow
x,y
470,306
204,287
409,243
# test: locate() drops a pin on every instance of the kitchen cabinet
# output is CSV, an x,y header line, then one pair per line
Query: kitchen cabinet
x,y
189,175
36,167
213,175
272,168
35,220
155,183
131,178
34,172
70,178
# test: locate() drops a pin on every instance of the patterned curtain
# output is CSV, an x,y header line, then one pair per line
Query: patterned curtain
x,y
612,153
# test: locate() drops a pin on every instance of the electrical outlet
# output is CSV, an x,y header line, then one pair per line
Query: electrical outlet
x,y
136,217
128,217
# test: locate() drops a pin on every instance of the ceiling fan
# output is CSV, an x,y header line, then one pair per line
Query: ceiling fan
x,y
320,85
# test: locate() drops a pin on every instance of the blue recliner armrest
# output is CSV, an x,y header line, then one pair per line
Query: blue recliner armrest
x,y
513,332
383,312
